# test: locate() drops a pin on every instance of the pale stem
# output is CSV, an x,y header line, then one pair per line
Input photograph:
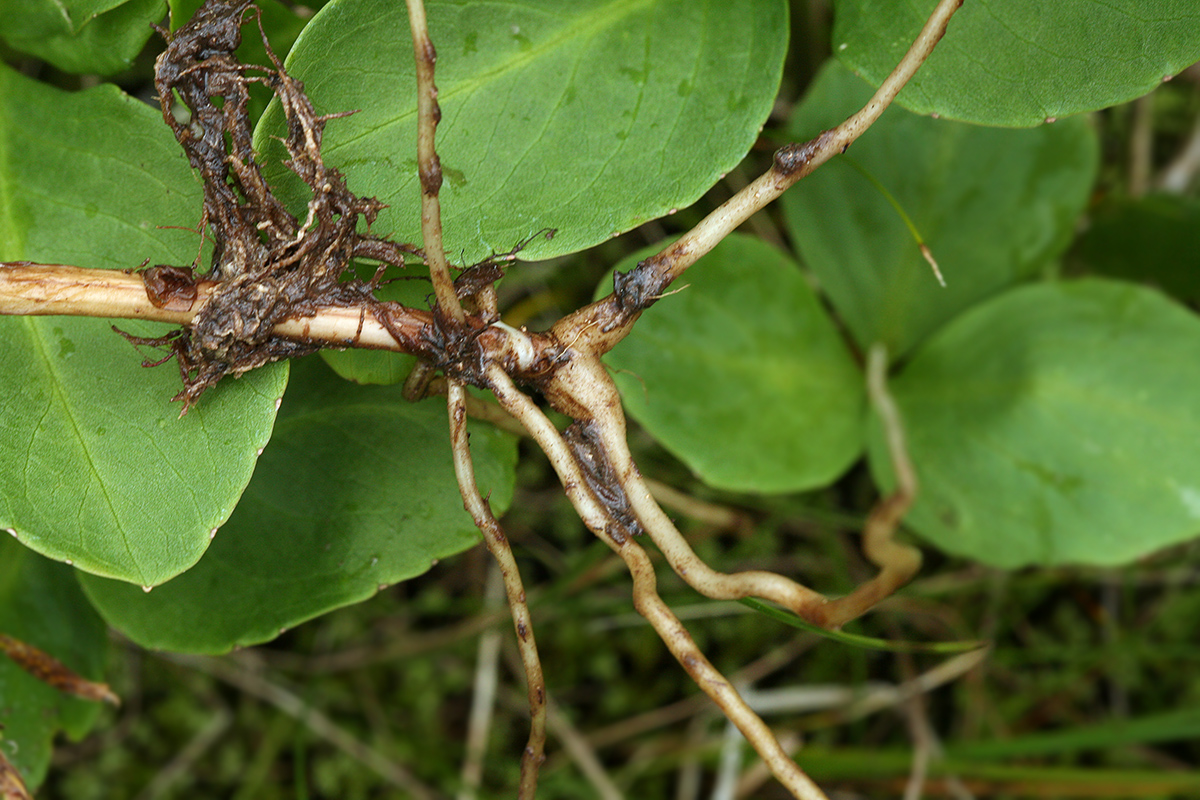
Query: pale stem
x,y
714,514
791,163
584,379
429,166
28,289
897,562
781,177
1141,146
497,545
56,289
648,603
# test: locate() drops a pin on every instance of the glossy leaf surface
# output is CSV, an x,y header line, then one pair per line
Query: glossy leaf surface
x,y
95,467
742,374
994,206
1020,62
552,113
1056,424
355,492
93,36
41,604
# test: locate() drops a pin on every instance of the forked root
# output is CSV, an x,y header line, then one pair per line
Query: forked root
x,y
594,511
585,382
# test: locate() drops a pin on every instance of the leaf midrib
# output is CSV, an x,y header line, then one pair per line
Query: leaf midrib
x,y
584,26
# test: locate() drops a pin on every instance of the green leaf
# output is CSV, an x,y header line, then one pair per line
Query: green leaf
x,y
1153,239
1056,424
93,36
742,374
1020,62
355,492
994,206
41,604
857,639
94,467
552,115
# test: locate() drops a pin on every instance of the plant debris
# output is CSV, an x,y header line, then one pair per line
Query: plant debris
x,y
267,265
53,672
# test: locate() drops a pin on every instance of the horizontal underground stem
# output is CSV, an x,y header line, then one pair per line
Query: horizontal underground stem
x,y
28,289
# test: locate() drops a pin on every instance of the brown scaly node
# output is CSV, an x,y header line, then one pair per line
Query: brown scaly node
x,y
601,477
267,265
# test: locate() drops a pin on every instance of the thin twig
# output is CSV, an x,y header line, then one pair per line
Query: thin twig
x,y
582,754
313,719
183,762
878,698
729,763
691,774
628,728
483,696
497,544
1141,146
599,326
1181,172
897,562
714,514
429,166
916,714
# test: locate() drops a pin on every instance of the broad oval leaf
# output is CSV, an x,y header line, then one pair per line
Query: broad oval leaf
x,y
92,36
994,206
94,466
742,374
1056,424
41,604
355,492
1022,62
553,114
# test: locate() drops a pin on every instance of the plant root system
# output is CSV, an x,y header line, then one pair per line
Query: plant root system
x,y
271,270
267,264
